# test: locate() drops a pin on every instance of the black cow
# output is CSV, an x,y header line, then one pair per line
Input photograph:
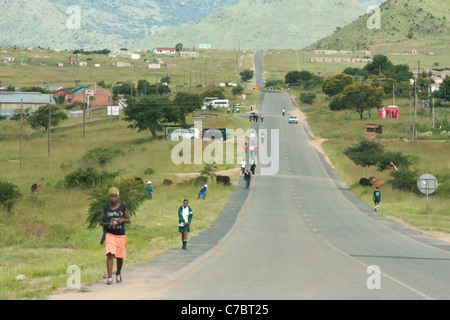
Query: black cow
x,y
223,179
365,182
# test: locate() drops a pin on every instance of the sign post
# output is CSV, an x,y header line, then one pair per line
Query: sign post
x,y
427,184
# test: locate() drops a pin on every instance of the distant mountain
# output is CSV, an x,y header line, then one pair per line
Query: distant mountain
x,y
264,24
103,23
144,24
416,21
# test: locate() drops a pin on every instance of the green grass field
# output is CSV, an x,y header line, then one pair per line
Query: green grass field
x,y
45,234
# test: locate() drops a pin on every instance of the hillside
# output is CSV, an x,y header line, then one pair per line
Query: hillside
x,y
256,24
104,24
144,24
414,22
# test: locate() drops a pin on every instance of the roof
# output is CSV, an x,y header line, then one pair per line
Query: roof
x,y
26,97
165,48
63,89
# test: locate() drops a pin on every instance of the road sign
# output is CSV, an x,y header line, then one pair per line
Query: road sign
x,y
90,93
427,184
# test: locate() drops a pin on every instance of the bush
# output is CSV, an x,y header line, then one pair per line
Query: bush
x,y
101,155
9,193
88,178
404,179
308,98
365,154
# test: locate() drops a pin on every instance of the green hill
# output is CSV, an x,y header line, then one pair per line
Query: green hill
x,y
256,24
410,23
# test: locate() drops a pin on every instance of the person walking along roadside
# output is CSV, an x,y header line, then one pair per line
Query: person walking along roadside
x,y
376,198
247,178
184,222
113,217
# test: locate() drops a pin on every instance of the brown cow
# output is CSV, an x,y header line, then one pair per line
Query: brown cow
x,y
167,182
36,189
378,183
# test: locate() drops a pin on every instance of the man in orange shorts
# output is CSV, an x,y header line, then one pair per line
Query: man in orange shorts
x,y
113,217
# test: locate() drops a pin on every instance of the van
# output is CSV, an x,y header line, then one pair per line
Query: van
x,y
195,133
219,104
180,133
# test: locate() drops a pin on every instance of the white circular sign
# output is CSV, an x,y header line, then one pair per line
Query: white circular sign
x,y
427,184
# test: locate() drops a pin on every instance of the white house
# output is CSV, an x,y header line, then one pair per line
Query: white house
x,y
164,50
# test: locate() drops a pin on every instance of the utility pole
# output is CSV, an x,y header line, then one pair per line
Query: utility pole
x,y
21,130
49,127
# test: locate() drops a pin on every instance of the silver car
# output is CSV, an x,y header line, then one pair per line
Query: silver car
x,y
293,119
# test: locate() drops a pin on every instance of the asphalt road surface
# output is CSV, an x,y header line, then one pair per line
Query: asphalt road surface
x,y
298,232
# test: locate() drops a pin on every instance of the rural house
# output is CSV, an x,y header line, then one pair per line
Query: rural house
x,y
164,50
69,95
102,97
10,102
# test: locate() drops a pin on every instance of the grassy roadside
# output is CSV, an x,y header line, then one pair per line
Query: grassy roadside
x,y
45,234
432,155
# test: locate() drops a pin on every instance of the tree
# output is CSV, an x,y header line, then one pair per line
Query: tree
x,y
246,75
178,47
380,64
215,92
39,119
365,153
295,77
336,84
151,112
361,97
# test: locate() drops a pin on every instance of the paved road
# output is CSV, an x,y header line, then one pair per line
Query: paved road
x,y
296,234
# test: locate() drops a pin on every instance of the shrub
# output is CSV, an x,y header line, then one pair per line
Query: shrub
x,y
365,154
308,98
101,155
88,178
9,193
404,179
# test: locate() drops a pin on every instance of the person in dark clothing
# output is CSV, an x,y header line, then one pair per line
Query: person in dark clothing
x,y
247,178
115,242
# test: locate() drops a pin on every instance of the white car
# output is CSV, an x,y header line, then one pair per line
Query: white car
x,y
293,119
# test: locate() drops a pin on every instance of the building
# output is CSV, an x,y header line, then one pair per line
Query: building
x,y
185,54
69,95
10,102
102,97
120,64
127,55
164,50
154,66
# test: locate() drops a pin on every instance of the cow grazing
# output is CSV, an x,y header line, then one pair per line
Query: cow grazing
x,y
167,182
378,183
365,182
223,179
36,189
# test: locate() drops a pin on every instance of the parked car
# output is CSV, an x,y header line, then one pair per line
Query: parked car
x,y
293,119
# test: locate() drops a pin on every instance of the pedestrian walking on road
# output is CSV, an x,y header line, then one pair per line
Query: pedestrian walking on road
x,y
284,111
184,222
262,117
114,217
247,178
253,167
376,198
202,192
243,165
